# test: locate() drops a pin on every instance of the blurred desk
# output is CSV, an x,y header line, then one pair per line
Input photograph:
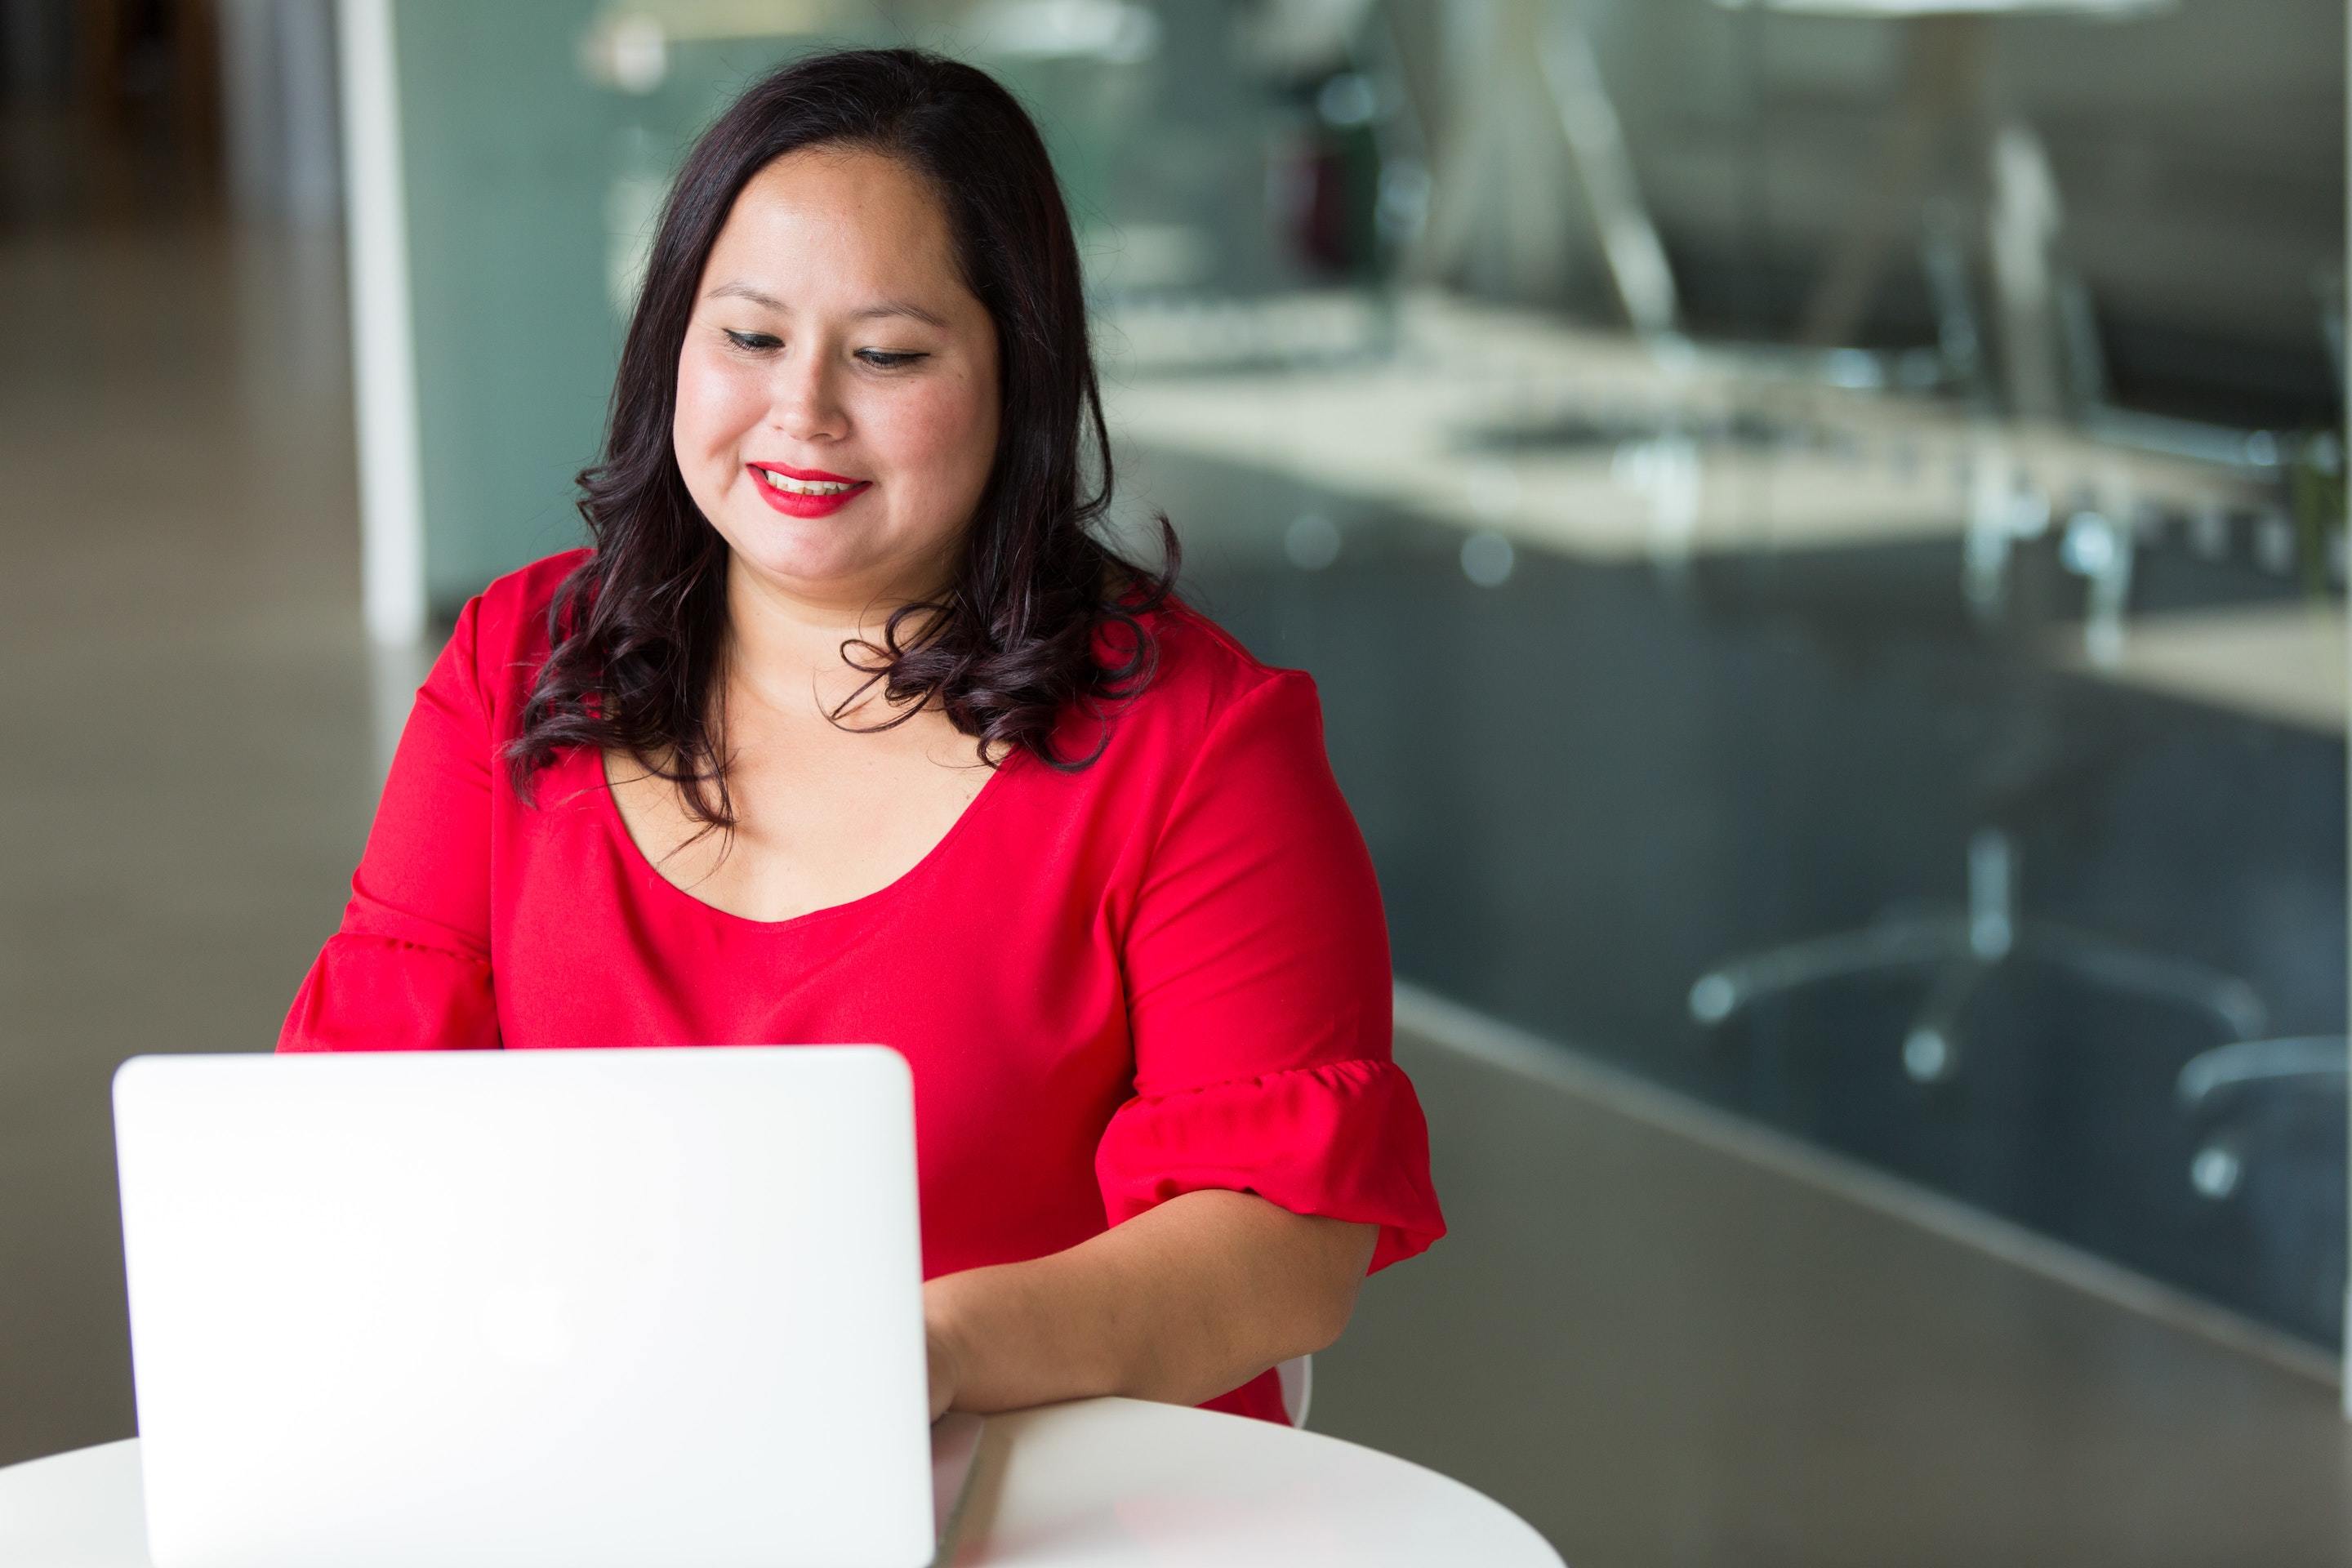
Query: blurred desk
x,y
1582,442
1092,1484
2286,662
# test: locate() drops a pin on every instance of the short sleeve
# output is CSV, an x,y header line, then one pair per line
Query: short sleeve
x,y
1259,994
409,968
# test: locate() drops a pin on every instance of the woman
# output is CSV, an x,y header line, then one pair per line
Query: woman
x,y
846,729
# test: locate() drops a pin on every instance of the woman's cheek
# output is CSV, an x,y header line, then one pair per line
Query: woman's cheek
x,y
942,432
716,405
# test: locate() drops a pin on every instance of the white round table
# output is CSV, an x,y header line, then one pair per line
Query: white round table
x,y
1090,1483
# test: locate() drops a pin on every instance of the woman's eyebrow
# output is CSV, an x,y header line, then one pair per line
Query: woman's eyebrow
x,y
769,301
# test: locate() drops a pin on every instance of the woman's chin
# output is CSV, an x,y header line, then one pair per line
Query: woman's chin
x,y
808,560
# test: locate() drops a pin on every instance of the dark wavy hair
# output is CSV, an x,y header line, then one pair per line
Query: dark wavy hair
x,y
639,628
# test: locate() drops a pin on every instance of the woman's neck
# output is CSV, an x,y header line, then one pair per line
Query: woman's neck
x,y
784,651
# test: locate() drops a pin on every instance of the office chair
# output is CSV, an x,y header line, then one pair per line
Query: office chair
x,y
1961,947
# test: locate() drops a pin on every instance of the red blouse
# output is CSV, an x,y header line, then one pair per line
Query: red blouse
x,y
1165,971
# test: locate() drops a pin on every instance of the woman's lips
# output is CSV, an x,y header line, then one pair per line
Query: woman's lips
x,y
793,503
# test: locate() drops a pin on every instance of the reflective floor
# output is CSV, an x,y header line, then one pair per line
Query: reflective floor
x,y
1663,1346
1659,1345
190,765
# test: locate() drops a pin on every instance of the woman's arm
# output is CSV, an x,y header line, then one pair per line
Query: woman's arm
x,y
1181,1303
1255,964
409,966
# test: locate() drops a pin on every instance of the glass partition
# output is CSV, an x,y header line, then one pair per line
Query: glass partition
x,y
1817,523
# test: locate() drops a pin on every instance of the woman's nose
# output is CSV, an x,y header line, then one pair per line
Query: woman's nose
x,y
806,405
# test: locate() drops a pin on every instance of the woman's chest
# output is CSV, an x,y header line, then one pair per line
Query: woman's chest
x,y
993,926
1006,998
821,819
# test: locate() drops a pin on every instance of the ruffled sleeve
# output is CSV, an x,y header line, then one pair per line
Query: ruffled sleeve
x,y
409,968
1259,995
1344,1138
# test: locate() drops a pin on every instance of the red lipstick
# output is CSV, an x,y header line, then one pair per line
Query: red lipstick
x,y
793,504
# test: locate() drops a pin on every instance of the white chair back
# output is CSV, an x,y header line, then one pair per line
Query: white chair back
x,y
1297,1375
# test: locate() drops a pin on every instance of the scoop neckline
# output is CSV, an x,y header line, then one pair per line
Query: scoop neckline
x,y
619,826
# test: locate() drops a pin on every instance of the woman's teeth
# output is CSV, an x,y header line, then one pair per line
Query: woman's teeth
x,y
804,486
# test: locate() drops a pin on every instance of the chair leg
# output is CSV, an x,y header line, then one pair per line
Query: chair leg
x,y
2319,1058
1898,944
1931,1046
2230,1002
2315,1062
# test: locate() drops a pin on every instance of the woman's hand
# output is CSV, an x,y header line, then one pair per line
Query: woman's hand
x,y
944,1353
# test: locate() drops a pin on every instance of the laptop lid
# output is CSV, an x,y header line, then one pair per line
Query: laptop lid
x,y
592,1309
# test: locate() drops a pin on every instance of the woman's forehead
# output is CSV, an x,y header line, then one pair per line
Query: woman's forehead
x,y
839,230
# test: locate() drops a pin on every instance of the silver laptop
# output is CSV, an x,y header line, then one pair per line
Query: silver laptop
x,y
582,1308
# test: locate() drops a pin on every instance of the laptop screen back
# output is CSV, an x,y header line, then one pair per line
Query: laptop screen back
x,y
594,1308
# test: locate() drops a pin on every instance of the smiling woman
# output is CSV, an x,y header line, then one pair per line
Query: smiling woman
x,y
848,728
793,347
866,257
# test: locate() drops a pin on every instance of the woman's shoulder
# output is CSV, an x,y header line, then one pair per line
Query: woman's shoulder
x,y
502,634
512,610
1201,674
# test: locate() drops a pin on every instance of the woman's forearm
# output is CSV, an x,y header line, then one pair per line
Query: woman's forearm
x,y
1181,1303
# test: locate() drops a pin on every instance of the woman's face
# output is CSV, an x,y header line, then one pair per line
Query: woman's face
x,y
831,335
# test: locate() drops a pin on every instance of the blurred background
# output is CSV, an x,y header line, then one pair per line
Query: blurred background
x,y
1820,525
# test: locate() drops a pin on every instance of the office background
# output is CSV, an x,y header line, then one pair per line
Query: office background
x,y
1818,524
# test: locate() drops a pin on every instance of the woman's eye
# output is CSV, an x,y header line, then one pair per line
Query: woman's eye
x,y
762,342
